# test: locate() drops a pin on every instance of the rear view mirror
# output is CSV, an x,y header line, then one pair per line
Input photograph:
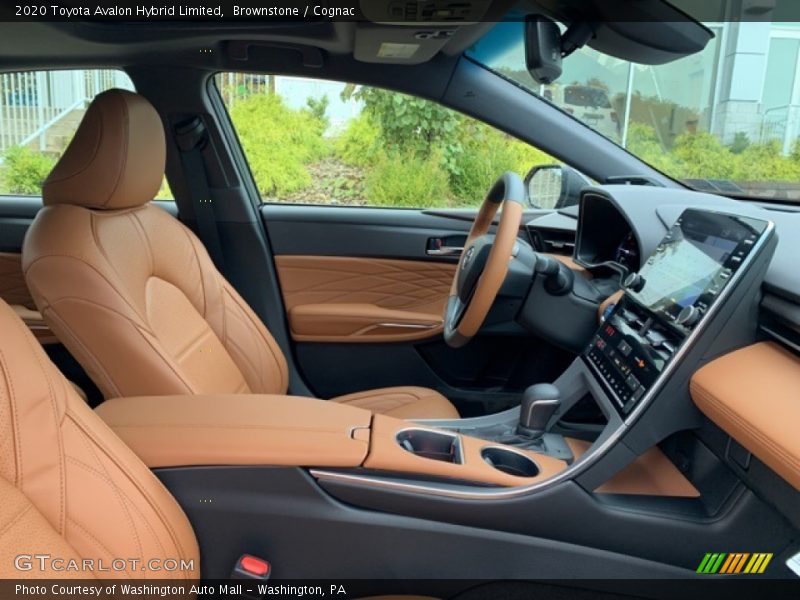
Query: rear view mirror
x,y
542,48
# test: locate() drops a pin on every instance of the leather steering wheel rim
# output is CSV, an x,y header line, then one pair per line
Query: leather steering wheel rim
x,y
463,319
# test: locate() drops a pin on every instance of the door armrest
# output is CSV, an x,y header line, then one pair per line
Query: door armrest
x,y
360,323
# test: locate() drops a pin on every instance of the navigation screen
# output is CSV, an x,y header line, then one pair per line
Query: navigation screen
x,y
695,260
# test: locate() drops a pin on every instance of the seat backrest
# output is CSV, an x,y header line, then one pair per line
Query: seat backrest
x,y
129,290
69,487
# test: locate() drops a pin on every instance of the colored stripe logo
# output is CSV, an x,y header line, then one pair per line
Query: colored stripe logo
x,y
723,563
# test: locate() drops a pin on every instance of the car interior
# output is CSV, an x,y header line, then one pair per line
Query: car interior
x,y
609,388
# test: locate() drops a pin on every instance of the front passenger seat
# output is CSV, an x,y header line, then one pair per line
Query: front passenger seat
x,y
75,501
70,489
133,294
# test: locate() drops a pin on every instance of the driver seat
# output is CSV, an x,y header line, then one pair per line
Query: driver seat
x,y
133,294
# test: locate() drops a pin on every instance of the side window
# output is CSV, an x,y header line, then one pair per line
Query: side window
x,y
321,142
39,113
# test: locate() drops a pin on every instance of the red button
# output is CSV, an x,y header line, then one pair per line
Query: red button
x,y
253,565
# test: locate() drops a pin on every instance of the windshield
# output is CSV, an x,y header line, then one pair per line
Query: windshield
x,y
725,122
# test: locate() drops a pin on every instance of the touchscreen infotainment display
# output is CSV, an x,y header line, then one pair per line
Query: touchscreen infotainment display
x,y
694,261
677,287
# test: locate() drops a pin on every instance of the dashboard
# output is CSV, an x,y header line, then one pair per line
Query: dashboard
x,y
612,244
702,276
680,286
621,225
696,349
627,253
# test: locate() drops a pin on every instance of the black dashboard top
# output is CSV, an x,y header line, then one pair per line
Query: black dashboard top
x,y
651,211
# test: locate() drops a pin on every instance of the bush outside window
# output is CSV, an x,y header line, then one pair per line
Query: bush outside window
x,y
321,142
704,119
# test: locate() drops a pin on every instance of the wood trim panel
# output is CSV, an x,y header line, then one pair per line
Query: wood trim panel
x,y
353,299
13,288
651,474
570,263
36,323
14,291
753,394
612,299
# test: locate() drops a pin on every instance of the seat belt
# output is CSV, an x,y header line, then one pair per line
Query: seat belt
x,y
192,138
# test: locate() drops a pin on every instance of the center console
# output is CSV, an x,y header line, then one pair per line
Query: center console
x,y
657,334
668,300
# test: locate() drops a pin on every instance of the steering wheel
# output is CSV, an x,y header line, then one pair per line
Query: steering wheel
x,y
484,262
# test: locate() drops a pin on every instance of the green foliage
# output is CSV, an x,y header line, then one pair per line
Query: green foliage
x,y
740,142
764,162
703,156
644,143
318,107
796,151
359,143
400,151
407,123
164,191
25,170
344,190
432,138
279,142
485,154
407,180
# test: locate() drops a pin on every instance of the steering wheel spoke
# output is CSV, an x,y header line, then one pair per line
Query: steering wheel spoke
x,y
483,265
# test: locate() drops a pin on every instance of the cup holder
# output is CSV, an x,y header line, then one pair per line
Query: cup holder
x,y
435,445
510,462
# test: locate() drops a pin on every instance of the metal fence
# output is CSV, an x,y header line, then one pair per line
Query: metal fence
x,y
237,86
782,123
32,103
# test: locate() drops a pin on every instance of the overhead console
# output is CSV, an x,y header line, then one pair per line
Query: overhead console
x,y
668,302
410,33
430,12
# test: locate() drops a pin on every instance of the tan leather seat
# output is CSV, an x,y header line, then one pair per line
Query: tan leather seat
x,y
69,487
75,501
133,294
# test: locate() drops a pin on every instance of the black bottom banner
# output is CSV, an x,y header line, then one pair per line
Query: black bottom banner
x,y
606,589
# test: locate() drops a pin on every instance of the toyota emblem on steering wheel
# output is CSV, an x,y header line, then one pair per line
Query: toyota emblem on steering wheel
x,y
468,257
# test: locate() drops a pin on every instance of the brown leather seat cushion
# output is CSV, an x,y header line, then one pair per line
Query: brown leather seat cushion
x,y
69,487
133,294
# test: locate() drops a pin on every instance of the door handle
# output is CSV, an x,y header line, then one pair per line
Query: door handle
x,y
444,251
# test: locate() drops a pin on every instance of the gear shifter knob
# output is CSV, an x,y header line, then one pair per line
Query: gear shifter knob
x,y
539,403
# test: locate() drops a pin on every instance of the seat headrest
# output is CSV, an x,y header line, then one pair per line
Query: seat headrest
x,y
116,159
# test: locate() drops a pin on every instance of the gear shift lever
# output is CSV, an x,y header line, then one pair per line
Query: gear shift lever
x,y
539,403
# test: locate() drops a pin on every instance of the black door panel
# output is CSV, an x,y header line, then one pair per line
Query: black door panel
x,y
17,214
487,375
356,231
351,231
